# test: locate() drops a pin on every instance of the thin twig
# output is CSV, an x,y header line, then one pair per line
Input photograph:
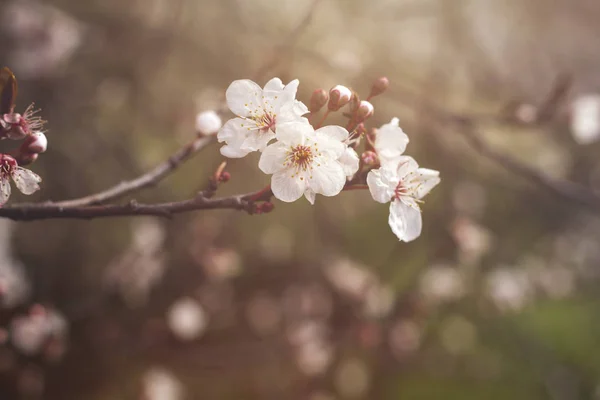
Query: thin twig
x,y
287,42
467,128
150,178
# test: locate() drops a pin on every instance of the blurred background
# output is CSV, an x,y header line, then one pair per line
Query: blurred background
x,y
498,299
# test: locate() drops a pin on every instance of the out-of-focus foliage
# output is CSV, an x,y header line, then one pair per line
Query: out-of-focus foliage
x,y
497,299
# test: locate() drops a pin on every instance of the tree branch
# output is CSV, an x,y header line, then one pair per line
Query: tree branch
x,y
150,178
37,211
467,128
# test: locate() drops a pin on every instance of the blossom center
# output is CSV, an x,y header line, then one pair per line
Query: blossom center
x,y
7,165
264,121
300,157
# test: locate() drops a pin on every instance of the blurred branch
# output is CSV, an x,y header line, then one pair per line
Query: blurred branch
x,y
467,128
287,42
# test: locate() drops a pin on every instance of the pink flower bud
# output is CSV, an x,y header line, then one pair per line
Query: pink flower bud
x,y
26,158
35,143
364,111
208,122
339,96
265,207
318,99
369,158
379,86
224,177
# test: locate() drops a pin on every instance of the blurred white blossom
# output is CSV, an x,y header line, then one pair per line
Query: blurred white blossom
x,y
46,37
442,283
187,319
585,118
350,278
404,337
160,384
222,264
473,240
509,288
14,285
31,333
140,267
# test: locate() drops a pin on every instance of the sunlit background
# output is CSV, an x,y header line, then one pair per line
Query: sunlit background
x,y
498,298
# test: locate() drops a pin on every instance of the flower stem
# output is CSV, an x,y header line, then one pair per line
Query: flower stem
x,y
322,119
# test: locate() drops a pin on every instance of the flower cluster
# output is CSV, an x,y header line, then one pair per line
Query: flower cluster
x,y
306,158
26,127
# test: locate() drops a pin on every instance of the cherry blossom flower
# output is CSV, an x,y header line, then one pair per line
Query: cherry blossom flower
x,y
260,112
305,162
25,180
390,142
404,185
16,126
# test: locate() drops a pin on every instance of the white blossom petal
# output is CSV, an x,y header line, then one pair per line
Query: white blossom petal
x,y
294,133
300,108
26,181
275,84
379,185
257,140
276,96
234,133
405,166
288,186
289,113
327,179
310,195
390,142
243,96
273,158
333,131
4,190
405,221
427,180
349,161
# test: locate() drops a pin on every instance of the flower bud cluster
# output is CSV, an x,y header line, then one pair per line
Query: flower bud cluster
x,y
27,128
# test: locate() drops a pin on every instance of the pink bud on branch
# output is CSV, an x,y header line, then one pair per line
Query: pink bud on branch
x,y
318,99
339,96
379,86
364,111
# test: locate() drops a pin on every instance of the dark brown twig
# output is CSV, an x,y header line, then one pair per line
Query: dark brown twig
x,y
37,211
